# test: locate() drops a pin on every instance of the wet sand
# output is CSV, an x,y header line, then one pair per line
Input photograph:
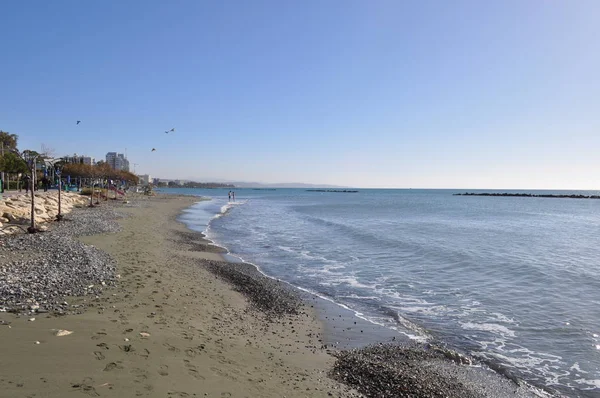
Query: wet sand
x,y
170,328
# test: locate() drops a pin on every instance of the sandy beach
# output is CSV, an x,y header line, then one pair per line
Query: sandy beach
x,y
169,328
159,313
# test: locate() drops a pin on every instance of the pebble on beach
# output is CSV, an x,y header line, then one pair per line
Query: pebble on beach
x,y
38,271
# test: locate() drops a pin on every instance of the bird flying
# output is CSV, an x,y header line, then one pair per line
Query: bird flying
x,y
172,130
79,121
153,149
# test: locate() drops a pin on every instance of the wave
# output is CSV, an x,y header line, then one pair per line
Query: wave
x,y
457,316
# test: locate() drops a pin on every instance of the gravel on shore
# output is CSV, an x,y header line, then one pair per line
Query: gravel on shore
x,y
39,271
273,297
422,370
389,370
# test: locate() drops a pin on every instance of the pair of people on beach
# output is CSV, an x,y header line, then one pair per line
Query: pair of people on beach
x,y
231,196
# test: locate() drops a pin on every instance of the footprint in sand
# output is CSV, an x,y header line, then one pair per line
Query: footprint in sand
x,y
98,335
171,348
193,351
102,345
219,372
112,366
177,394
163,370
86,387
99,355
140,375
193,371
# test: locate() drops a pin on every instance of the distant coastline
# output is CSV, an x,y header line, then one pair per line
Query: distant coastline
x,y
332,190
529,195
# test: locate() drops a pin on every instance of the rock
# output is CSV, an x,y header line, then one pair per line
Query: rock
x,y
31,319
37,279
144,334
62,332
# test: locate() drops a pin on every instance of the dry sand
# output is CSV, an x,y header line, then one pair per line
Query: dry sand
x,y
169,329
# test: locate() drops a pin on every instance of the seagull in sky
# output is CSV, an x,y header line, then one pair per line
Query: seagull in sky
x,y
172,130
79,121
153,149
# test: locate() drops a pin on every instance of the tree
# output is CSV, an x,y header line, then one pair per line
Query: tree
x,y
11,163
8,140
8,143
77,170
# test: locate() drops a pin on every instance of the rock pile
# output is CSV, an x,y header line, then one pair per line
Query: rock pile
x,y
39,271
16,210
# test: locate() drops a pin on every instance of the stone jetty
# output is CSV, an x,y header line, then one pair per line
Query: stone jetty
x,y
529,195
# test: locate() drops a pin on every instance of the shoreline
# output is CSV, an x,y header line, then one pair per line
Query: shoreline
x,y
342,338
168,328
180,323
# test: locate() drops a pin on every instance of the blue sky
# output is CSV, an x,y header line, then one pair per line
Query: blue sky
x,y
438,94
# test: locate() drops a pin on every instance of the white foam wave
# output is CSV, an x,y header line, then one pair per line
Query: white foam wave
x,y
352,281
591,383
488,327
357,297
370,319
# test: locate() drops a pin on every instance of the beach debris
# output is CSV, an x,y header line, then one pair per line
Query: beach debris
x,y
62,332
37,342
126,339
31,319
144,334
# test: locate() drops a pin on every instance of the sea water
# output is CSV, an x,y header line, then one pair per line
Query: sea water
x,y
514,282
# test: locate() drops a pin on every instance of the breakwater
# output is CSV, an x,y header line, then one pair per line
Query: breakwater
x,y
529,195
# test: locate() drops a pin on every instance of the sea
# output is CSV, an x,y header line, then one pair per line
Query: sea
x,y
512,281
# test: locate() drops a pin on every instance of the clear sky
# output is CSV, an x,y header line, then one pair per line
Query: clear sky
x,y
434,94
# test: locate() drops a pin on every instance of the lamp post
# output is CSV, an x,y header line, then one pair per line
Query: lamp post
x,y
57,166
58,171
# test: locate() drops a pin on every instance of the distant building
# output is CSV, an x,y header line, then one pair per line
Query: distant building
x,y
145,179
80,159
117,161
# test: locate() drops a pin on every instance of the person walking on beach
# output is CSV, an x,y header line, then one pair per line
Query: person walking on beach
x,y
233,195
229,194
26,183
